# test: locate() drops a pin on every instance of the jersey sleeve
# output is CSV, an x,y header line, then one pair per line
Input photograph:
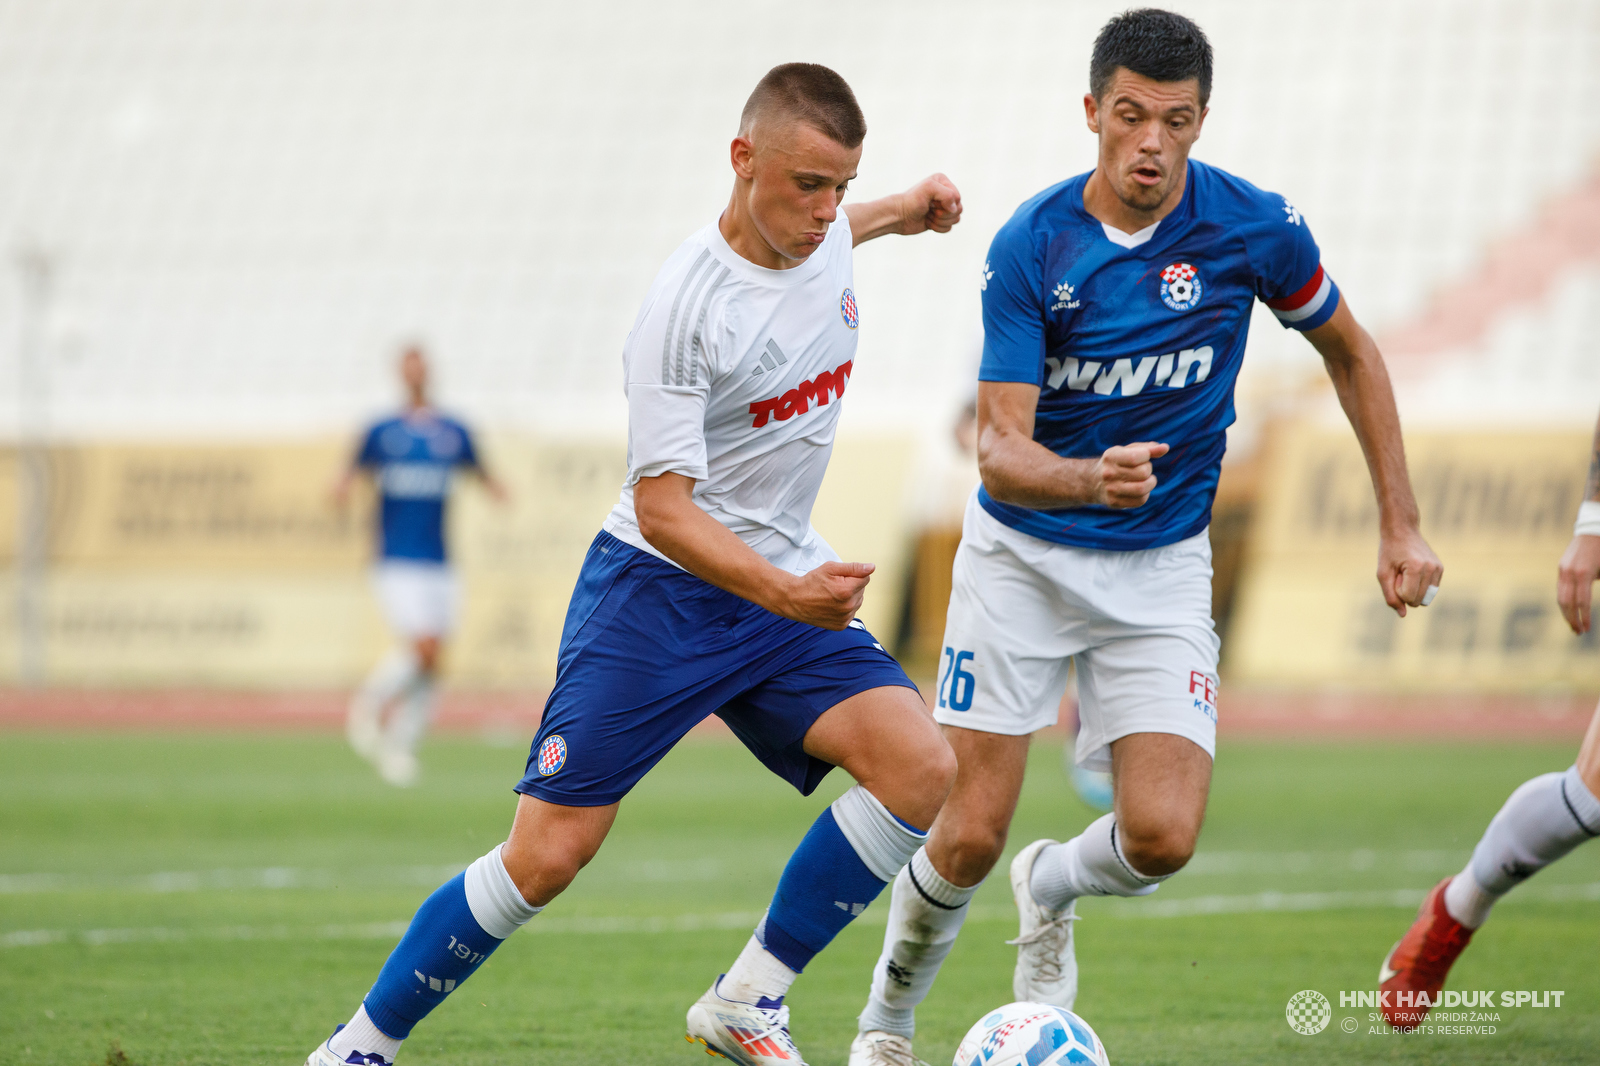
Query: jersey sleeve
x,y
367,454
1013,312
1289,274
669,361
469,448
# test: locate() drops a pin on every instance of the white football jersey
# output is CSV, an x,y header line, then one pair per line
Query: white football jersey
x,y
733,374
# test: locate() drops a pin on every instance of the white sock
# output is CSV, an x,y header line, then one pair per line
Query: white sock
x,y
925,914
1090,864
756,973
410,721
493,897
362,1036
1467,901
390,678
882,841
1541,821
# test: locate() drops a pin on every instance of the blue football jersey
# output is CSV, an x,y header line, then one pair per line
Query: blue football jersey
x,y
1141,343
411,459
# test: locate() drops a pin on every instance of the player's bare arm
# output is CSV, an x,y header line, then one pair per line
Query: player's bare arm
x,y
492,485
1407,567
339,491
669,519
1018,469
934,203
1580,563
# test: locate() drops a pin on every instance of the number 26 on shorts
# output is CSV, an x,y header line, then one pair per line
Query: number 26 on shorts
x,y
956,684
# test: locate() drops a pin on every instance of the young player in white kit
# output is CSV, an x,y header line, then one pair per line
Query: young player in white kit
x,y
1544,819
708,592
412,459
1116,306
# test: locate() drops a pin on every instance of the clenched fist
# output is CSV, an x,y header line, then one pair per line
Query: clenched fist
x,y
934,203
1580,567
1123,476
1407,569
828,596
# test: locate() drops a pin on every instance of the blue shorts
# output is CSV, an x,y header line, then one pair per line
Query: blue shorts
x,y
648,651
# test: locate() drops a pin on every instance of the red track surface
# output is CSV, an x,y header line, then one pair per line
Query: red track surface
x,y
1243,713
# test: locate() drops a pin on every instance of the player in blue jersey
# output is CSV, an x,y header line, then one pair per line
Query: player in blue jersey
x,y
708,592
412,459
1115,310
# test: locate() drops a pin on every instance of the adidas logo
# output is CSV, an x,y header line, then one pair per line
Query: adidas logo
x,y
771,359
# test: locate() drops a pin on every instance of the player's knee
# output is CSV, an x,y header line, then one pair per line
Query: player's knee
x,y
916,780
543,873
968,852
925,766
1156,851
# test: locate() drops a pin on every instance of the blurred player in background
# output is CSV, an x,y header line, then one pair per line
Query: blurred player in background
x,y
411,459
708,592
1115,307
1543,820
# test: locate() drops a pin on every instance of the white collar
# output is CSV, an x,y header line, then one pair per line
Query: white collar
x,y
1129,240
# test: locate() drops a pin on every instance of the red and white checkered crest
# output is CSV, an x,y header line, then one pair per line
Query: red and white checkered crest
x,y
552,755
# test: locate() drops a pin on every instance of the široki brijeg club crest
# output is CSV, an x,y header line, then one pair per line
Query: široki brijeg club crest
x,y
1180,287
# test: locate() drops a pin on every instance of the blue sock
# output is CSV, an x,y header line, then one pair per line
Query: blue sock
x,y
824,887
442,947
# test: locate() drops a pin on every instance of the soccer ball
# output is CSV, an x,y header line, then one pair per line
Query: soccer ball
x,y
1031,1034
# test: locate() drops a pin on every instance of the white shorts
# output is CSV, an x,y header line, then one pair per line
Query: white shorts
x,y
419,599
1136,623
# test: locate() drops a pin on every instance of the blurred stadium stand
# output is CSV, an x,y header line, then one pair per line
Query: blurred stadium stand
x,y
244,207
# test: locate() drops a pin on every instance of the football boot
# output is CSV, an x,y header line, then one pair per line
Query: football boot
x,y
1047,967
326,1056
877,1048
1421,959
752,1034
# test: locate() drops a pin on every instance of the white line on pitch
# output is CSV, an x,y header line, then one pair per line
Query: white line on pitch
x,y
1263,902
1204,863
291,877
224,880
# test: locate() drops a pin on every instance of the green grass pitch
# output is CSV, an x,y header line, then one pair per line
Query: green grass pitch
x,y
226,899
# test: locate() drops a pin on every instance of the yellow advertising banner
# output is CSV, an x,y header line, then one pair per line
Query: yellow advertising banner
x,y
1498,509
197,629
199,564
213,507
